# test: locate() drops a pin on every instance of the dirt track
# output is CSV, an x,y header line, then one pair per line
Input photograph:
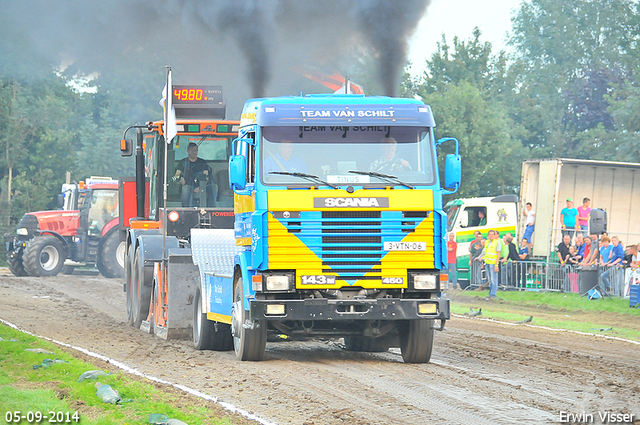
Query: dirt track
x,y
481,372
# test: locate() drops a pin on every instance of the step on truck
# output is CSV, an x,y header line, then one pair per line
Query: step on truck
x,y
338,232
84,232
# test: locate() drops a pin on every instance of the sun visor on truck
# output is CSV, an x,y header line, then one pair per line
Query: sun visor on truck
x,y
505,198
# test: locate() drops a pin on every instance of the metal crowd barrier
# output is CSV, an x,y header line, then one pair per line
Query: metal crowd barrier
x,y
543,276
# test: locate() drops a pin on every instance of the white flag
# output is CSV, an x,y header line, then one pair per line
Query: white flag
x,y
169,112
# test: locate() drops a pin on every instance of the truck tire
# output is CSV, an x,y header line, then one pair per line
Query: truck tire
x,y
111,255
416,340
14,261
209,335
363,343
249,344
43,256
142,278
128,286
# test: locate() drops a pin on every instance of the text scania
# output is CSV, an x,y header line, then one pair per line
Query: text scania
x,y
363,113
351,202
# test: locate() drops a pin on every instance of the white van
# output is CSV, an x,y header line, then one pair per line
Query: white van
x,y
465,216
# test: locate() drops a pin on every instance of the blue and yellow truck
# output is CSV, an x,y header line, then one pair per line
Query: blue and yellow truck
x,y
339,231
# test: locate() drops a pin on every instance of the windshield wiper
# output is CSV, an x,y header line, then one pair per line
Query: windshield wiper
x,y
391,179
306,176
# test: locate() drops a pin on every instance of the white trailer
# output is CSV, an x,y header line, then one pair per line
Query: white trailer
x,y
611,186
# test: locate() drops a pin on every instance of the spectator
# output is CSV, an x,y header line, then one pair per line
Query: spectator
x,y
574,258
452,251
512,256
491,257
475,251
523,255
591,251
580,246
530,223
605,251
583,214
562,250
568,219
614,260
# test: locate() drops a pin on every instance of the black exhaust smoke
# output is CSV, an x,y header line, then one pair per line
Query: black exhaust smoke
x,y
218,41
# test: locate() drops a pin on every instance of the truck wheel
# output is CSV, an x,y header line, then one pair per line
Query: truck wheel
x,y
416,340
14,261
141,292
43,256
128,286
363,343
111,255
209,335
249,344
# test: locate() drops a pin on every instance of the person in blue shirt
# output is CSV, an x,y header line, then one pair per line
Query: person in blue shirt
x,y
568,219
284,160
613,260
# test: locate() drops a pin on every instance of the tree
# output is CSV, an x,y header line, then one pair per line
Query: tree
x,y
569,55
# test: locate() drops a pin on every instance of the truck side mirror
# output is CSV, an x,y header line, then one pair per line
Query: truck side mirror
x,y
126,147
237,172
60,200
452,171
597,221
464,219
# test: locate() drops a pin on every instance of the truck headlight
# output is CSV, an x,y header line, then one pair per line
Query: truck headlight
x,y
425,281
278,283
22,231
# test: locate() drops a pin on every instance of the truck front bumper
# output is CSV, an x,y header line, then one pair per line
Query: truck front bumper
x,y
353,309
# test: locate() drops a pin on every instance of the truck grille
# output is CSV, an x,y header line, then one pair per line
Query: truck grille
x,y
351,243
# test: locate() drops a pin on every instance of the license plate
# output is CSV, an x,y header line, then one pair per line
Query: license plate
x,y
317,280
405,246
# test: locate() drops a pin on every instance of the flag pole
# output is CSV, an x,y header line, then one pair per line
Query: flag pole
x,y
167,113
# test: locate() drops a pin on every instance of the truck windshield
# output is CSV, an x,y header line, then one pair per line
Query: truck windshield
x,y
332,152
103,209
452,214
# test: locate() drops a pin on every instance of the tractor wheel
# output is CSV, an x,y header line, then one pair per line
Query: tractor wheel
x,y
111,255
416,340
43,256
249,344
128,285
14,261
142,278
209,335
362,343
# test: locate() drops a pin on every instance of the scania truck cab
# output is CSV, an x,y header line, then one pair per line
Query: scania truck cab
x,y
339,225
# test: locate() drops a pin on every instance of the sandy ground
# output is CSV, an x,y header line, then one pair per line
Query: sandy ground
x,y
481,372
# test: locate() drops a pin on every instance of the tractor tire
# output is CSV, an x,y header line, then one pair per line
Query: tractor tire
x,y
249,344
128,285
14,261
365,344
44,256
142,279
111,255
207,334
416,340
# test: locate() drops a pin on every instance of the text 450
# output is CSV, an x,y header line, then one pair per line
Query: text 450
x,y
37,417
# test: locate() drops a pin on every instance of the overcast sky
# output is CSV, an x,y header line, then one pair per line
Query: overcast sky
x,y
459,17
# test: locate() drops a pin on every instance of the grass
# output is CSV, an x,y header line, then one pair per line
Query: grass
x,y
55,389
555,310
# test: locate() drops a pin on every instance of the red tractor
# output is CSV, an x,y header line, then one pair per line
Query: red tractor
x,y
84,232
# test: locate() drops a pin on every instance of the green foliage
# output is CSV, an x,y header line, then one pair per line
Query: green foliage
x,y
464,88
